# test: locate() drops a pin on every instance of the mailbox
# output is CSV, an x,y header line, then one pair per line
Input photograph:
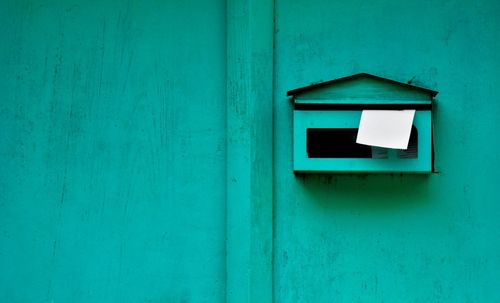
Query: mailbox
x,y
326,118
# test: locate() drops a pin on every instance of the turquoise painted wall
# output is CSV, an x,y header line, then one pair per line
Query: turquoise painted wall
x,y
116,130
393,238
112,151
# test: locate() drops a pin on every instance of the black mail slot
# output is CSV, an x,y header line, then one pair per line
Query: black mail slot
x,y
335,143
341,143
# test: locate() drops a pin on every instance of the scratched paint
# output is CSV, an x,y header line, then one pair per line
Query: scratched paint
x,y
112,151
393,238
112,154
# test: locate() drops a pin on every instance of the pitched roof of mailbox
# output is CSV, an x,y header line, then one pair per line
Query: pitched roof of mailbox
x,y
297,91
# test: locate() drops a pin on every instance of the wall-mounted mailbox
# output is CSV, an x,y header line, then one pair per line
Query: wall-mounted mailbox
x,y
327,116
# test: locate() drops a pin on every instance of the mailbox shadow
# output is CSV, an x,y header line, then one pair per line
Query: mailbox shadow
x,y
366,191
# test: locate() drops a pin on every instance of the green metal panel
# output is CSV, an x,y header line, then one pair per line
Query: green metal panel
x,y
350,119
392,238
112,151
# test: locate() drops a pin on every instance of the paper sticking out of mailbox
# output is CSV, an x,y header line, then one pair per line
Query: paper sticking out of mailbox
x,y
385,128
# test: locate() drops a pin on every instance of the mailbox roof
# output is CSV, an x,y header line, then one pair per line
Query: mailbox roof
x,y
298,91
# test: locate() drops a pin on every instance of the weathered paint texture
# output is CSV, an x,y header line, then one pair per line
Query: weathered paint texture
x,y
393,238
120,147
112,151
249,151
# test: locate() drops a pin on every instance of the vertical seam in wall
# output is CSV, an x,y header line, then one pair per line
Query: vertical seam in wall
x,y
249,150
225,147
273,179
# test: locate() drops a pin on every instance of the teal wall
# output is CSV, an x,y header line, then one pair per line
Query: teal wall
x,y
137,161
393,238
112,151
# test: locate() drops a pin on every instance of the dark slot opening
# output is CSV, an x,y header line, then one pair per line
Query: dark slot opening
x,y
335,143
412,151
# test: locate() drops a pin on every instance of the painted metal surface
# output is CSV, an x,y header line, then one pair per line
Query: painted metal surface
x,y
338,104
112,151
393,238
249,178
361,89
350,119
118,158
357,78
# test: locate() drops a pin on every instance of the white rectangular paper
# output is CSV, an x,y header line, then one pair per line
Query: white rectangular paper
x,y
385,128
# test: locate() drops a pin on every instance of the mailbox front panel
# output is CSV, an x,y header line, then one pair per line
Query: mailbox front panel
x,y
336,128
